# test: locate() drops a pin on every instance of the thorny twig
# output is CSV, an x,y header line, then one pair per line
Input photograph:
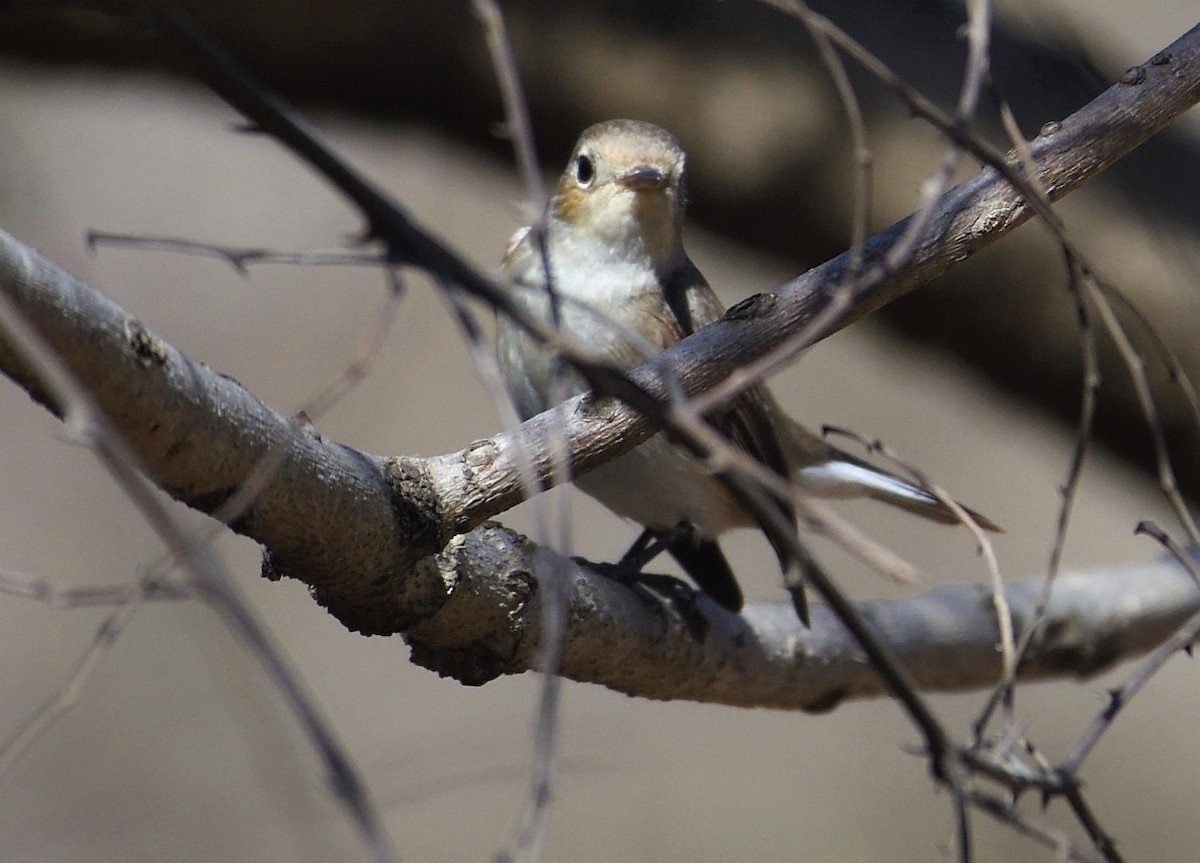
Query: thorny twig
x,y
1090,387
1118,698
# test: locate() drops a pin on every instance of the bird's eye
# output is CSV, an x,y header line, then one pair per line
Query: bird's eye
x,y
585,171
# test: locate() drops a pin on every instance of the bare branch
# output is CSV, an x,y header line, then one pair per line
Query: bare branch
x,y
945,639
472,612
325,509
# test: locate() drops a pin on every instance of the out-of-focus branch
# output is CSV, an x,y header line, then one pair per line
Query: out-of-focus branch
x,y
56,385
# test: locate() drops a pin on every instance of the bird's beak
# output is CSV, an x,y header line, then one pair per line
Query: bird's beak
x,y
644,178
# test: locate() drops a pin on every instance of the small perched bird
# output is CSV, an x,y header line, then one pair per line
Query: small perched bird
x,y
623,286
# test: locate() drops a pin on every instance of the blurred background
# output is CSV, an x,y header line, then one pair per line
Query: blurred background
x,y
178,749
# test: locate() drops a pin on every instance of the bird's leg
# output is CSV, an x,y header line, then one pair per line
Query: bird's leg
x,y
796,572
700,558
650,544
675,592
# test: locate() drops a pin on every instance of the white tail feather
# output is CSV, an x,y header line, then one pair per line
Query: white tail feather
x,y
847,479
851,478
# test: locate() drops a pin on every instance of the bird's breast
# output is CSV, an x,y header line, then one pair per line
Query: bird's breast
x,y
659,486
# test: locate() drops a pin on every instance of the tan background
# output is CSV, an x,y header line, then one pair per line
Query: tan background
x,y
178,749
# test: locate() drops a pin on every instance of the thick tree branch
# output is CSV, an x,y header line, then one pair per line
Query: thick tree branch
x,y
946,639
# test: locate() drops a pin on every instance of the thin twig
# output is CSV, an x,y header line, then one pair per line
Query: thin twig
x,y
1176,373
56,595
1136,366
239,257
1008,814
1145,669
1069,491
517,126
554,597
1084,815
361,364
1004,623
41,719
858,134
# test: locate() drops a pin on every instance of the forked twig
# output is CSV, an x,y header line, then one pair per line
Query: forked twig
x,y
1004,622
18,741
1006,813
239,257
55,595
1136,366
1145,669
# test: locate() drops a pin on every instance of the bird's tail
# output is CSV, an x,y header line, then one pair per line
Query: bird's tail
x,y
843,475
828,472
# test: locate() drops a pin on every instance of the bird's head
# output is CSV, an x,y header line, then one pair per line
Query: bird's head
x,y
624,187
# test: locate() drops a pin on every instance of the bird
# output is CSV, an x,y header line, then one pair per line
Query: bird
x,y
622,285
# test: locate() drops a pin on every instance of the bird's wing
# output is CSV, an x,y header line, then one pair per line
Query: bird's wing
x,y
747,421
755,423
